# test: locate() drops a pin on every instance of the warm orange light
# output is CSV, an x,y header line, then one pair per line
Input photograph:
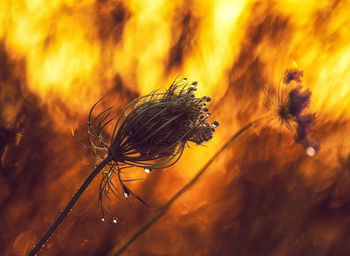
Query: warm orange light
x,y
73,51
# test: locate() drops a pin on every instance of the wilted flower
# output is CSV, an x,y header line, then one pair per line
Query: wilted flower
x,y
290,103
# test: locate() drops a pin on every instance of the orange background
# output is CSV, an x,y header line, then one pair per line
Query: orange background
x,y
57,58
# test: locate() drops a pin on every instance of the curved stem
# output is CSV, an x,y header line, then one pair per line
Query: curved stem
x,y
121,248
69,206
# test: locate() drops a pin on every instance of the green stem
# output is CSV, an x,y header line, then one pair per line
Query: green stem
x,y
121,248
69,206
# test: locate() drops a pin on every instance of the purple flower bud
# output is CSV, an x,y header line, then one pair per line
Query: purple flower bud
x,y
298,101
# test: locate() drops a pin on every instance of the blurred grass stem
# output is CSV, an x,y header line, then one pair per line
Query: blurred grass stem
x,y
121,248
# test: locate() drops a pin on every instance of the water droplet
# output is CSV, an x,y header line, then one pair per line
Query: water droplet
x,y
115,220
147,170
310,151
184,79
126,194
208,114
103,219
215,124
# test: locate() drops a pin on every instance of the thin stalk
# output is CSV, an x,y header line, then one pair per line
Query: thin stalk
x,y
117,250
69,206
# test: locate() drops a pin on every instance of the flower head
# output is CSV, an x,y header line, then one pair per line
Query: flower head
x,y
161,125
291,102
152,136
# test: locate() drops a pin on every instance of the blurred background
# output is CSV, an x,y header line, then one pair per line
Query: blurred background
x,y
260,197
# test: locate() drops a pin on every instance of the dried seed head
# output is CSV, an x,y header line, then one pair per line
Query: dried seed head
x,y
151,133
161,125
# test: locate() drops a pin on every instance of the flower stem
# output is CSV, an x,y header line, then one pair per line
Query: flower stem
x,y
121,248
68,207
